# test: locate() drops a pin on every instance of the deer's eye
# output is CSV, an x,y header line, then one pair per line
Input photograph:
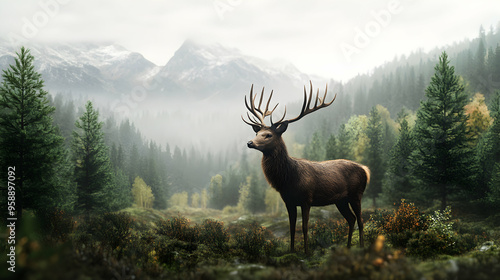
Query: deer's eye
x,y
268,135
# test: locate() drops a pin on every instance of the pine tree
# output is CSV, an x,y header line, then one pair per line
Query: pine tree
x,y
119,193
257,194
443,159
479,78
314,150
331,148
399,181
29,142
495,66
151,173
133,163
374,154
215,191
494,188
419,93
488,148
93,168
344,143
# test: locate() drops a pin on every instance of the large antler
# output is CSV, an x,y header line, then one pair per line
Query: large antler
x,y
318,103
258,114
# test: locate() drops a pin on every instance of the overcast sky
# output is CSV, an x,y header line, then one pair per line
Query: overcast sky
x,y
334,39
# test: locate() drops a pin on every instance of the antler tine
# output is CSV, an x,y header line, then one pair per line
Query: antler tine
x,y
267,112
260,101
318,103
252,109
310,96
252,119
317,98
284,114
251,96
252,122
258,114
324,98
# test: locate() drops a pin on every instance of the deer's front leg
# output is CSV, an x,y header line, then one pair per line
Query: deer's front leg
x,y
305,222
292,217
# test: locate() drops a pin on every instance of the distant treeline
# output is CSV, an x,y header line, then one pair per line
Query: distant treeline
x,y
68,157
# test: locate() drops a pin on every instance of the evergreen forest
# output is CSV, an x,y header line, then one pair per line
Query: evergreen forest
x,y
93,198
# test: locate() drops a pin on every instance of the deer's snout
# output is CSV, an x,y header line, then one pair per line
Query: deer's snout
x,y
250,144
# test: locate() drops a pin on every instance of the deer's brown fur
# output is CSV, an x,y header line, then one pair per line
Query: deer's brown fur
x,y
307,183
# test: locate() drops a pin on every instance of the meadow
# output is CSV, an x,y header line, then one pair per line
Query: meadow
x,y
188,243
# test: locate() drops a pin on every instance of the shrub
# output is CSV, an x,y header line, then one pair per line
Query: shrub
x,y
367,264
56,224
110,229
116,228
375,225
214,235
164,252
426,244
251,239
272,247
400,225
327,233
140,244
178,228
464,243
371,232
380,217
406,218
439,222
439,238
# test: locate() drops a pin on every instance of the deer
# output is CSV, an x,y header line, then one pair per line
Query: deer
x,y
300,182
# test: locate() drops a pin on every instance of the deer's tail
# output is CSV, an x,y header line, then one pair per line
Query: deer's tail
x,y
367,170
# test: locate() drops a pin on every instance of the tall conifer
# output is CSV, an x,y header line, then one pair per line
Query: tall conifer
x,y
374,154
443,158
93,168
29,142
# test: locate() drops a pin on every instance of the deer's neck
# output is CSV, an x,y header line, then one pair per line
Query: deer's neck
x,y
279,167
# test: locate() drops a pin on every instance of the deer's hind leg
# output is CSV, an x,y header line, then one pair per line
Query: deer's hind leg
x,y
356,207
345,210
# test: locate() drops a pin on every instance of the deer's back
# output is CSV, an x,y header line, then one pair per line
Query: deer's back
x,y
327,182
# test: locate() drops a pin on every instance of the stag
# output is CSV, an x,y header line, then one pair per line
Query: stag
x,y
302,182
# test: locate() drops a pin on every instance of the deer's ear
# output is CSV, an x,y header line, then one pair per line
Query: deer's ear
x,y
256,128
280,127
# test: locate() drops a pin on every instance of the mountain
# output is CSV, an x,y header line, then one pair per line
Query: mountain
x,y
213,71
85,69
195,72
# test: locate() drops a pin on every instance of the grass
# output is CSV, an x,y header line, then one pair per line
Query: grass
x,y
138,243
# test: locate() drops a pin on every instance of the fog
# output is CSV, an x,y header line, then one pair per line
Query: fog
x,y
209,126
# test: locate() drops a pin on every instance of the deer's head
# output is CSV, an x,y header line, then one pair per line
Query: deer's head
x,y
268,137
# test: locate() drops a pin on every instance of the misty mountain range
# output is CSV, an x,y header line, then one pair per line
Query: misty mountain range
x,y
196,71
187,92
